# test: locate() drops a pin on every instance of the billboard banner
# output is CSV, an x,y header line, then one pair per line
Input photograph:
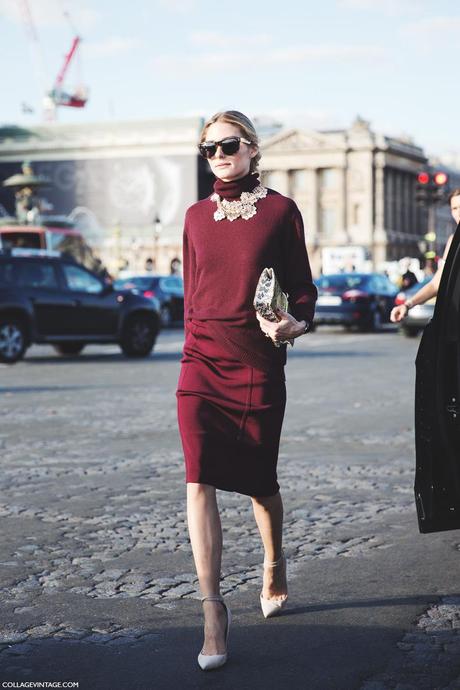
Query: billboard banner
x,y
131,193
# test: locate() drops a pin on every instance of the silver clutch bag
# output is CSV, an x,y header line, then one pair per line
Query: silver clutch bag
x,y
269,296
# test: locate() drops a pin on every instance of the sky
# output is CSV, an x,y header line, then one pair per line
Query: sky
x,y
311,65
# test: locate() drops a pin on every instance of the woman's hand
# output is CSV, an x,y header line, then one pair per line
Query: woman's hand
x,y
426,292
286,328
398,313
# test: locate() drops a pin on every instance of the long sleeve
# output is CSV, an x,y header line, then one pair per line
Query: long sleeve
x,y
299,284
189,269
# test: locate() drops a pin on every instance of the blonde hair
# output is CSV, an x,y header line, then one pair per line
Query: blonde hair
x,y
244,124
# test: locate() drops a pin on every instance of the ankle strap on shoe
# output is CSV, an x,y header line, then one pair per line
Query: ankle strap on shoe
x,y
213,597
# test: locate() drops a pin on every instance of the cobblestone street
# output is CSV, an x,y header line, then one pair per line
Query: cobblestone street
x,y
97,582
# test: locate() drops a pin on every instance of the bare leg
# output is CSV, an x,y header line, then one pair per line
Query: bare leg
x,y
268,512
206,539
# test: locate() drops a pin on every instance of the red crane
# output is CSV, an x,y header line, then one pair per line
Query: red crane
x,y
57,94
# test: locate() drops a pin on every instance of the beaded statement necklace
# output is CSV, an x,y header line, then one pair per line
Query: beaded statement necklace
x,y
244,207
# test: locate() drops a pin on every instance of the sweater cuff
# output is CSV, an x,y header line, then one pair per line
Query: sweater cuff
x,y
303,312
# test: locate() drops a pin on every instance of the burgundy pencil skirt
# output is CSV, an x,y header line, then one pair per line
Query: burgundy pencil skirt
x,y
230,417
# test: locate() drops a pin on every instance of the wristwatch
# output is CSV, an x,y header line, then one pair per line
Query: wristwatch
x,y
408,304
307,327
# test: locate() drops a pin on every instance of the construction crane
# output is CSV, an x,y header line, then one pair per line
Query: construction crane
x,y
57,96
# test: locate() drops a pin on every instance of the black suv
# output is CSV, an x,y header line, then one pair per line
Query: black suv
x,y
46,297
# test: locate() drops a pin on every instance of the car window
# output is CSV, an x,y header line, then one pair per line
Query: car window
x,y
378,284
386,285
80,280
341,282
21,239
35,274
138,283
142,283
171,283
390,287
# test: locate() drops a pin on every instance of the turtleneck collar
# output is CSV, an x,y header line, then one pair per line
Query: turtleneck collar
x,y
234,188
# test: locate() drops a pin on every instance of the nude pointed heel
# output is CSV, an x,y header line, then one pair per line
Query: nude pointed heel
x,y
208,662
273,607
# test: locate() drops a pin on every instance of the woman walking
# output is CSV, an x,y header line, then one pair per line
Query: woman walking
x,y
231,392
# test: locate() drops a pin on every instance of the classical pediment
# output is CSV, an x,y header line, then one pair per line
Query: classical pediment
x,y
294,140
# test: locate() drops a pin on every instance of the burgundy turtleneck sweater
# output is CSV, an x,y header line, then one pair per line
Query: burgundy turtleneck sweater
x,y
222,263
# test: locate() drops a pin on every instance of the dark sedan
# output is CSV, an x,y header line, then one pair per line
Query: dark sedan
x,y
168,290
363,300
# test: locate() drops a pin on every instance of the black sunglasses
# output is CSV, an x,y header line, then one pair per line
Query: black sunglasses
x,y
229,146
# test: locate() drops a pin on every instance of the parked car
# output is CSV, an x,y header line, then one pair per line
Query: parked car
x,y
364,300
46,297
418,316
169,290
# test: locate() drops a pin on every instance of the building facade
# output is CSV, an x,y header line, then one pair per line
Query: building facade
x,y
354,188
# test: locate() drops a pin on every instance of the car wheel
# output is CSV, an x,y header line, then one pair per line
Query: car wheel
x,y
139,336
410,331
166,316
66,349
13,341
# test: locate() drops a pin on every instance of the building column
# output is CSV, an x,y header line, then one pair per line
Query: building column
x,y
379,239
283,184
343,209
313,205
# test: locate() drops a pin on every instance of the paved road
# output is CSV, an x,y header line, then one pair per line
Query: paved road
x,y
96,577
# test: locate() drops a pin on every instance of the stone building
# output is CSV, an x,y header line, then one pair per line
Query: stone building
x,y
354,188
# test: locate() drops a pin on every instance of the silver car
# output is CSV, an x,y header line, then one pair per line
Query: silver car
x,y
418,316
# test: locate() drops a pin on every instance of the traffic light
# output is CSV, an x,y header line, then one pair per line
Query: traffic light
x,y
432,187
422,192
440,178
440,187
